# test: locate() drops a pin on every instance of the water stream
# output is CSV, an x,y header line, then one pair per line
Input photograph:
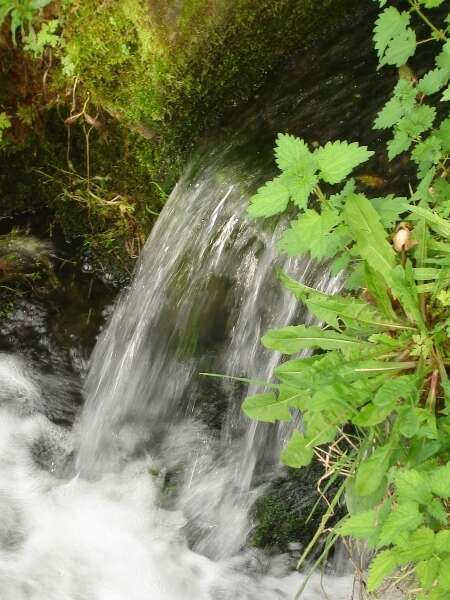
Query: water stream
x,y
148,495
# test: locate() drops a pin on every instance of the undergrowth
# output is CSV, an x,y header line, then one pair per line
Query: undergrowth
x,y
375,400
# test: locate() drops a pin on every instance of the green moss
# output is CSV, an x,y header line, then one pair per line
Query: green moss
x,y
283,514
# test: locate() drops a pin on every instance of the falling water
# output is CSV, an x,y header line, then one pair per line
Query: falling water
x,y
149,495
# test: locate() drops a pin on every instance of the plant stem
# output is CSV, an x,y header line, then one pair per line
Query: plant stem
x,y
415,6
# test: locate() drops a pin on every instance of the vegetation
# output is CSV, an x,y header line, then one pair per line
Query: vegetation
x,y
375,394
100,101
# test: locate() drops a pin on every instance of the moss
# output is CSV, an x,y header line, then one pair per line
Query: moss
x,y
282,515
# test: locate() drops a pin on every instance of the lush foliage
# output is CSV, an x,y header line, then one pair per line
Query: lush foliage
x,y
375,395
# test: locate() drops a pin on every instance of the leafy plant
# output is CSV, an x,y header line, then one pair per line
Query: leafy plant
x,y
375,401
21,14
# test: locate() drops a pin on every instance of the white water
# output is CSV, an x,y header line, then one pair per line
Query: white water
x,y
85,514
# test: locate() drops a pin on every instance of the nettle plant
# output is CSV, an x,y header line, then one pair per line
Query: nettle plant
x,y
375,395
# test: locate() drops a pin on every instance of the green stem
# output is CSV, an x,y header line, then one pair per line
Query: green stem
x,y
439,33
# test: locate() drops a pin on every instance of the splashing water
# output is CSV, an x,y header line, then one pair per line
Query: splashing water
x,y
148,496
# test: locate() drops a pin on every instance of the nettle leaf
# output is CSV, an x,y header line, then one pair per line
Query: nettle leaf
x,y
266,407
427,153
433,81
299,186
270,199
390,114
338,159
311,232
294,338
440,481
292,154
436,510
431,3
444,574
381,566
355,313
395,41
418,120
370,235
412,485
298,451
360,525
418,546
399,143
372,470
442,542
399,523
427,571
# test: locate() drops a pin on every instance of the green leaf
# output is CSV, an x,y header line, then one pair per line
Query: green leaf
x,y
372,471
433,81
299,186
378,288
418,546
403,287
389,209
269,200
266,407
444,574
371,415
292,154
313,233
399,143
370,235
395,42
394,390
418,120
437,511
359,526
294,338
356,314
297,453
399,523
440,481
412,485
437,223
337,159
427,571
431,3
390,114
442,542
381,566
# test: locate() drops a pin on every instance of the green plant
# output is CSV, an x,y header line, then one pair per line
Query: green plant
x,y
375,401
22,14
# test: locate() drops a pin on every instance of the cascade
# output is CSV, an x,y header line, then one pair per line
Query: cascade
x,y
149,495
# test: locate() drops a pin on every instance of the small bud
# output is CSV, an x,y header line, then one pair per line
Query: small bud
x,y
402,238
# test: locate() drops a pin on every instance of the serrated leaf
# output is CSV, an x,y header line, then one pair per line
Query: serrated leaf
x,y
359,526
433,81
311,232
266,407
437,511
299,186
440,481
395,41
399,523
399,143
412,485
338,159
297,453
418,120
372,471
270,199
390,114
418,546
437,223
381,566
292,154
444,574
294,338
370,235
431,3
442,542
427,571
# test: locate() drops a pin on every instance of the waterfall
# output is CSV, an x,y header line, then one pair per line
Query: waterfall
x,y
149,495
